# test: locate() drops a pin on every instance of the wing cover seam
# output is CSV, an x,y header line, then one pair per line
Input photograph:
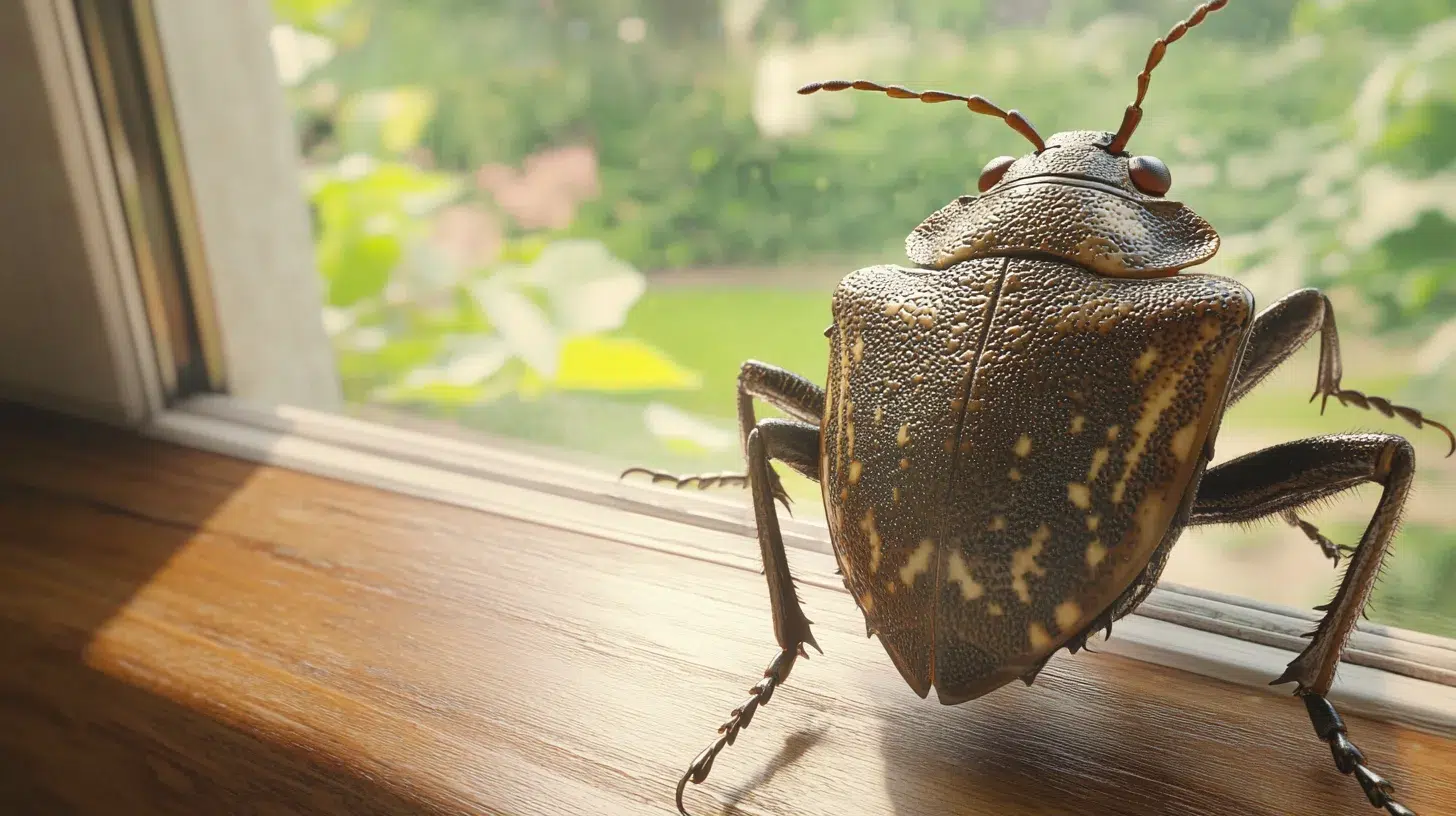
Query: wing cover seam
x,y
965,393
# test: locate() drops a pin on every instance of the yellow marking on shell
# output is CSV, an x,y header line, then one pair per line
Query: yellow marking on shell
x,y
1182,442
903,437
1014,475
1113,431
856,467
867,603
1157,398
908,316
994,609
926,320
879,413
1023,563
1092,521
1095,552
1067,614
858,350
918,563
1145,518
1038,636
891,586
959,573
849,435
998,523
1023,446
1154,407
1099,458
867,525
1078,422
895,495
904,464
844,494
1145,362
892,308
1080,495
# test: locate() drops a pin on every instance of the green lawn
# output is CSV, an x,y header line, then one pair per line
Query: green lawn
x,y
713,329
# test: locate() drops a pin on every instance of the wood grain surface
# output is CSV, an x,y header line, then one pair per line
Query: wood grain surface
x,y
182,633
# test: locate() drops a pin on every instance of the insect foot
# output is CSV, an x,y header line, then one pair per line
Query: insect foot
x,y
708,481
1349,397
1328,726
1332,551
773,677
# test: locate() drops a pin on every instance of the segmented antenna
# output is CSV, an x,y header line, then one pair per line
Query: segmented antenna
x,y
977,104
1134,113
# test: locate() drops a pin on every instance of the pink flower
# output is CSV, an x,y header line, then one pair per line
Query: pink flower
x,y
547,191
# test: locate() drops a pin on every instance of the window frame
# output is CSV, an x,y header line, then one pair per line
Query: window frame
x,y
1394,674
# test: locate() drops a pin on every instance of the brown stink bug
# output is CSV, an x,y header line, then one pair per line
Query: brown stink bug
x,y
1015,431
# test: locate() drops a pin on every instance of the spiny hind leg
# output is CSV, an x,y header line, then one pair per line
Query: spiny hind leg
x,y
792,443
1283,328
1281,479
784,390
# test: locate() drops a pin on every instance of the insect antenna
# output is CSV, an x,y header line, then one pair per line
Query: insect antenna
x,y
1134,113
977,104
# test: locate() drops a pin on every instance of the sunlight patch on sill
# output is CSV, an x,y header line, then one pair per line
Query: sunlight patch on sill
x,y
1392,674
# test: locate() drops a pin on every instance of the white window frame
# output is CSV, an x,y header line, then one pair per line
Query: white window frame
x,y
234,156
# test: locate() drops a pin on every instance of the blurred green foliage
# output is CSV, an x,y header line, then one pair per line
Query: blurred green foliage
x,y
1288,113
500,186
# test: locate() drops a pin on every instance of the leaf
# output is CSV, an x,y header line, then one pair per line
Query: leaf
x,y
475,362
297,53
359,267
408,112
522,324
594,363
391,118
589,289
314,16
674,425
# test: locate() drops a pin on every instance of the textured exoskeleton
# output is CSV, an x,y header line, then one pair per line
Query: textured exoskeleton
x,y
1014,432
986,512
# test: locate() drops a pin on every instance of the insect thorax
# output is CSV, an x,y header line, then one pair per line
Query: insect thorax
x,y
1073,201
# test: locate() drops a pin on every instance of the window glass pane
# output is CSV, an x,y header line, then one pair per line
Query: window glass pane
x,y
567,222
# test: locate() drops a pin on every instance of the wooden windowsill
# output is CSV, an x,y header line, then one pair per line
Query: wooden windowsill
x,y
188,633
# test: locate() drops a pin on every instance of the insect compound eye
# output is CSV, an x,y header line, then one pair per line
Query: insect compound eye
x,y
993,171
1150,175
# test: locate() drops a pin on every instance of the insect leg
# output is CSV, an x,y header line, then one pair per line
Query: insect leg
x,y
1331,550
784,390
1278,480
1283,328
796,444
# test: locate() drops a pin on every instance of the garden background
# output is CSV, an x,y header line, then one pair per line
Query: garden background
x,y
567,222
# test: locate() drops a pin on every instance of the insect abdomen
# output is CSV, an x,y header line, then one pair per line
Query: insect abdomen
x,y
1085,422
